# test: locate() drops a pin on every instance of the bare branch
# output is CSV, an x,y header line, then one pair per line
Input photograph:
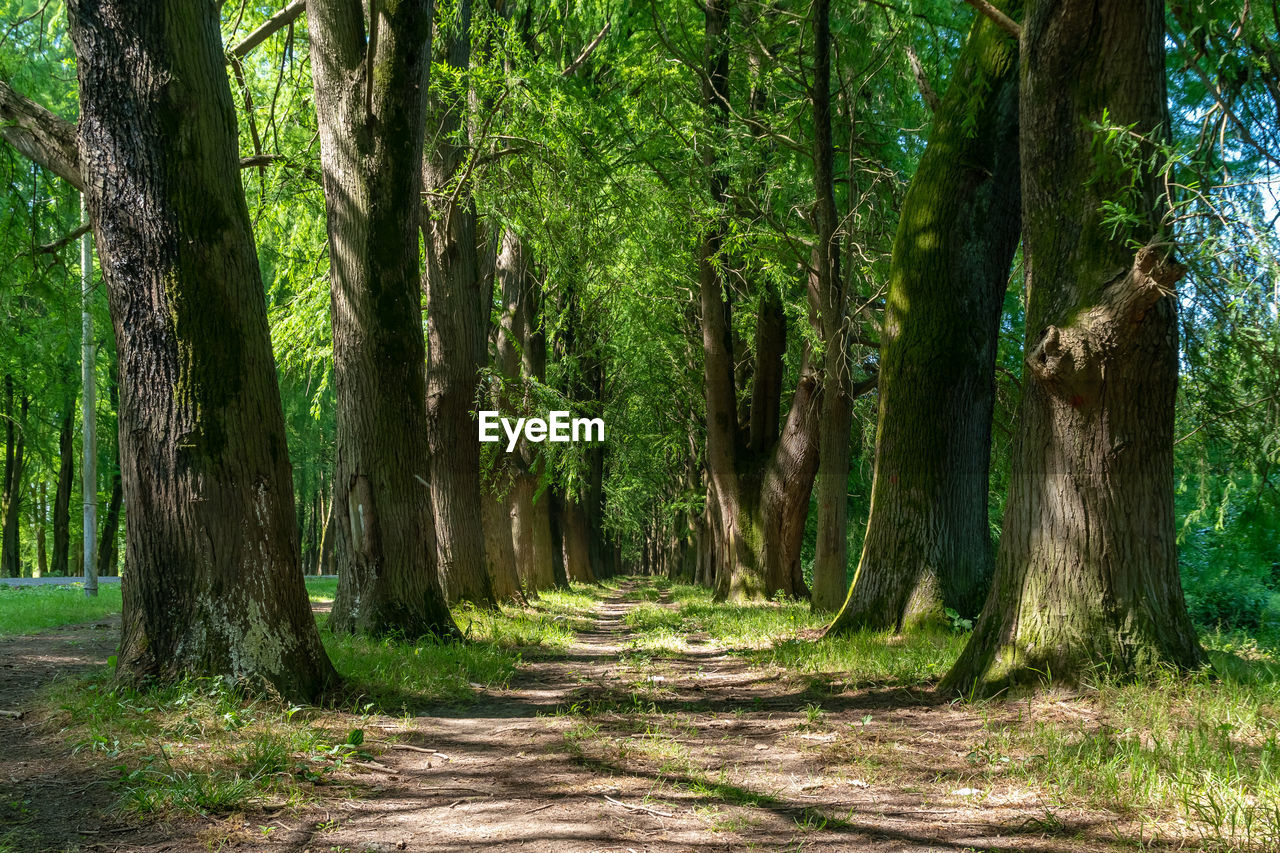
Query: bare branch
x,y
587,51
1000,19
285,16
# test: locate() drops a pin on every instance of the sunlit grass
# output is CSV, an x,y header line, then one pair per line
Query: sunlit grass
x,y
30,609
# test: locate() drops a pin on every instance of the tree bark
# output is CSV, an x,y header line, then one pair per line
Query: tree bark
x,y
1087,578
522,356
458,307
108,559
928,543
62,494
15,447
577,543
831,556
215,587
371,107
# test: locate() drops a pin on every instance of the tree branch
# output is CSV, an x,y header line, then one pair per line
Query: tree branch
x,y
39,135
1000,19
587,51
284,17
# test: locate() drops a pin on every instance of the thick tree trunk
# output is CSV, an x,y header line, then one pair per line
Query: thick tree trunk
x,y
499,549
62,494
458,308
577,543
521,351
1087,577
371,107
928,543
215,587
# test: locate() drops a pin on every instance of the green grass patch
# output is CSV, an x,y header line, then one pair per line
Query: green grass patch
x,y
322,590
31,609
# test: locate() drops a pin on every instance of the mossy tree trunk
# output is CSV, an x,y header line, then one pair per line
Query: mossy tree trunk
x,y
1087,575
458,306
371,81
215,586
928,544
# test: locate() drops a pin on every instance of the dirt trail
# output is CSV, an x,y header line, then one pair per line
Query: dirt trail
x,y
605,749
600,750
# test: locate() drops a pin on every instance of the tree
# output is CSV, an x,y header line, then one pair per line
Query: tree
x,y
371,107
215,585
832,550
928,544
521,359
62,493
458,322
1088,567
762,484
15,442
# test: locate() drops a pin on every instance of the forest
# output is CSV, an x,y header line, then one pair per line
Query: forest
x,y
640,425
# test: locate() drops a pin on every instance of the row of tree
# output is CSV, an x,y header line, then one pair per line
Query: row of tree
x,y
680,246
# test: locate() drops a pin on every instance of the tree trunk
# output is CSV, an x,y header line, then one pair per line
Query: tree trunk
x,y
107,558
1087,578
458,307
371,137
555,508
499,549
577,543
521,351
215,587
42,541
10,563
831,557
928,542
62,494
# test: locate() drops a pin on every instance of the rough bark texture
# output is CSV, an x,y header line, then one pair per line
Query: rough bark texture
x,y
1088,573
522,352
577,543
458,307
62,494
215,587
371,105
831,555
928,542
499,549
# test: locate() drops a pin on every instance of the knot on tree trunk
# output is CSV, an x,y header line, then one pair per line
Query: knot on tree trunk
x,y
1069,360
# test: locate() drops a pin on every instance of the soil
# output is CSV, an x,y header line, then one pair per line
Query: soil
x,y
596,749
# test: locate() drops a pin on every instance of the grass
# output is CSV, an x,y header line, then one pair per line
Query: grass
x,y
1204,748
30,609
203,747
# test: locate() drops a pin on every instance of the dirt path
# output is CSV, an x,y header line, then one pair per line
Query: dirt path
x,y
601,750
606,749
